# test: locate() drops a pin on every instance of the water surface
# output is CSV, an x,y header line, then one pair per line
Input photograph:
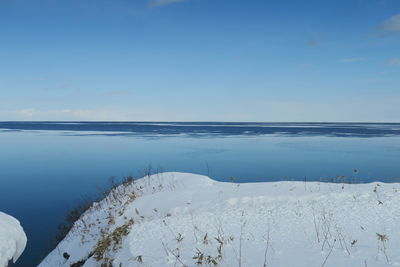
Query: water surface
x,y
47,167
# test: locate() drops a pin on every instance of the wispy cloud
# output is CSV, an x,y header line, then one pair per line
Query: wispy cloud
x,y
391,25
117,93
394,62
32,112
313,42
27,112
351,59
160,3
60,87
139,113
305,65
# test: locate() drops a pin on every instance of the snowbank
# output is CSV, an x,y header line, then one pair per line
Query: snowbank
x,y
12,239
180,219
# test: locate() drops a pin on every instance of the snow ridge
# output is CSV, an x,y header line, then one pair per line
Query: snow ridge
x,y
182,219
12,239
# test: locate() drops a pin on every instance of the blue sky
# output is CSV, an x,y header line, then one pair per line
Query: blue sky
x,y
200,60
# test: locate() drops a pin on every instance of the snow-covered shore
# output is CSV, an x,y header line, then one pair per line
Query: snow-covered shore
x,y
12,239
181,219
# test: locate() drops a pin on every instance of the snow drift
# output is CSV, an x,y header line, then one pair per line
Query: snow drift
x,y
181,219
12,239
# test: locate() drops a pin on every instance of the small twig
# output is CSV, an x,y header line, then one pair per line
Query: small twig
x,y
240,241
266,249
176,256
323,264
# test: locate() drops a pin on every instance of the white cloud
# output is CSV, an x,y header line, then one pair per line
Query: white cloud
x,y
378,107
159,3
350,60
392,24
394,62
35,113
96,114
28,112
85,114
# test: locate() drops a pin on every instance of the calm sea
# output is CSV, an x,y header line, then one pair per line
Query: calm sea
x,y
46,168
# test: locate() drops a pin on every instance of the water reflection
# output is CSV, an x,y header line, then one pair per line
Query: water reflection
x,y
45,168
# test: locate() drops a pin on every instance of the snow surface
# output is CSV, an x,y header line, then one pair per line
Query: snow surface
x,y
12,239
181,217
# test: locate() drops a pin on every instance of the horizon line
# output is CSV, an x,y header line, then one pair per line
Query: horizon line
x,y
194,121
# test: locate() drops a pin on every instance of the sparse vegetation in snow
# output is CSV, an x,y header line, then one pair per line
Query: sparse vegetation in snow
x,y
178,219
